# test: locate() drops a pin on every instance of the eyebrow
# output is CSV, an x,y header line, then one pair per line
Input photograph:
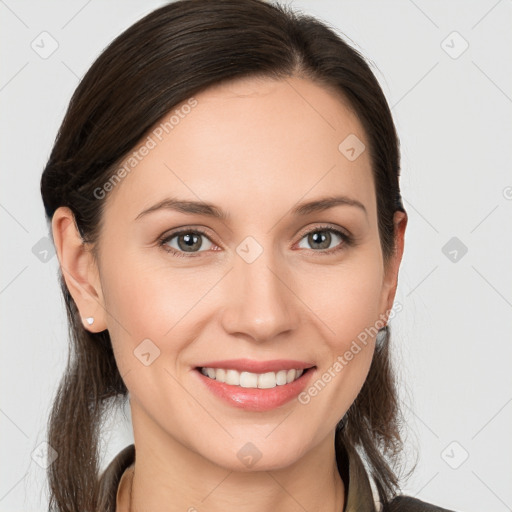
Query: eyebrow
x,y
210,210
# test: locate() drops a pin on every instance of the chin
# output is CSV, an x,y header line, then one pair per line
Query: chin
x,y
257,455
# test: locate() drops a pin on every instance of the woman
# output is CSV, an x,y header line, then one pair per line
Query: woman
x,y
224,200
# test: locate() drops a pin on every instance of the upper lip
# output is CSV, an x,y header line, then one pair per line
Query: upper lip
x,y
253,366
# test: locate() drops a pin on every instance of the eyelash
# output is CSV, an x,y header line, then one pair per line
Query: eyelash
x,y
347,241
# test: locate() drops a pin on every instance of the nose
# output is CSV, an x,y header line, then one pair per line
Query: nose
x,y
259,301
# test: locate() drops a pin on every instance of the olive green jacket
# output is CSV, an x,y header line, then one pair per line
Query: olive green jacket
x,y
358,498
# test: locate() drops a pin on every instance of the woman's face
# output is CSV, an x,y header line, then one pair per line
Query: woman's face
x,y
268,282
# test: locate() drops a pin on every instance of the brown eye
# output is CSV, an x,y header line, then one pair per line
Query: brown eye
x,y
186,241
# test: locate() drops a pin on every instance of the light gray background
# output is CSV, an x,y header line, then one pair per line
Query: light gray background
x,y
452,340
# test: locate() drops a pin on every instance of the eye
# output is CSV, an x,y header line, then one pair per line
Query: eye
x,y
187,240
321,238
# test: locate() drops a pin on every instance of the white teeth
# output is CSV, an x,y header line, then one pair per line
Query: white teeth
x,y
253,380
267,380
281,377
232,377
248,380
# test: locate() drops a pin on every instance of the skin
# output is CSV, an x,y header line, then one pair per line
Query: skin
x,y
255,148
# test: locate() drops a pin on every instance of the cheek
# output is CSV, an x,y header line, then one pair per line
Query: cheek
x,y
346,298
155,301
347,305
149,324
145,294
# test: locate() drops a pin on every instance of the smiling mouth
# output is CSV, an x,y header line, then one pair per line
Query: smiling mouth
x,y
267,380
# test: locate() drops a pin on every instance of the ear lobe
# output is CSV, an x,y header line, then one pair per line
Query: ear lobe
x,y
78,269
391,272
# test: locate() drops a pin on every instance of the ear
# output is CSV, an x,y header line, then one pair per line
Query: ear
x,y
79,269
391,271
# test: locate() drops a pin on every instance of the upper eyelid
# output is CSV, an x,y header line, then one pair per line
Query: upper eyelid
x,y
323,227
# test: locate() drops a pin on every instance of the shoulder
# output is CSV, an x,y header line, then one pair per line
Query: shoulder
x,y
409,504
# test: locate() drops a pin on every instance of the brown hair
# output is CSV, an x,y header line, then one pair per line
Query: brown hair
x,y
162,60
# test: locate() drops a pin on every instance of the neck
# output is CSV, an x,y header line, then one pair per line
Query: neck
x,y
169,476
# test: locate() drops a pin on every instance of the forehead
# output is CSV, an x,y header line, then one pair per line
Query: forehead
x,y
252,143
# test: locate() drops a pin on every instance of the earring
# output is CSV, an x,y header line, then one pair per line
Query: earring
x,y
90,320
381,337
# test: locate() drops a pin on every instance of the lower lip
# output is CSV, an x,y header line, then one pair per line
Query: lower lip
x,y
255,399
